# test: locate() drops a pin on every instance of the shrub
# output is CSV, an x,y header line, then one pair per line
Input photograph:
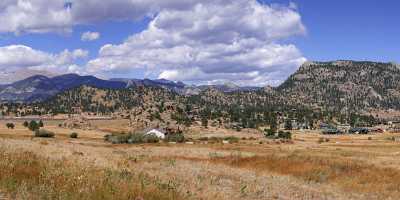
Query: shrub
x,y
73,135
133,138
138,138
215,139
232,139
392,138
10,125
44,133
203,139
285,135
120,138
150,139
25,124
269,133
177,137
33,125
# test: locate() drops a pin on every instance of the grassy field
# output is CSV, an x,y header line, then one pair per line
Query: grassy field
x,y
312,166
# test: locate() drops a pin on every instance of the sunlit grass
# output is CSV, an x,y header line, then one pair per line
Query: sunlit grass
x,y
25,175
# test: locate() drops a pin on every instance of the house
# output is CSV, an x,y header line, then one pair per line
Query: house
x,y
330,131
394,126
344,127
156,132
359,130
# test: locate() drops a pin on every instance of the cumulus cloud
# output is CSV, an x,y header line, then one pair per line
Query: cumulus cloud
x,y
192,40
40,16
16,57
236,41
90,36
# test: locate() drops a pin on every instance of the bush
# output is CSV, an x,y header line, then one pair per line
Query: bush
x,y
73,135
285,135
33,125
151,139
134,138
321,140
391,138
269,133
232,139
177,137
203,139
120,138
10,125
44,133
215,139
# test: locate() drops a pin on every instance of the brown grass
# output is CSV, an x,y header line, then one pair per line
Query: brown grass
x,y
28,176
350,175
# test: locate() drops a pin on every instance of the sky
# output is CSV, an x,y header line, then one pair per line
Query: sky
x,y
247,42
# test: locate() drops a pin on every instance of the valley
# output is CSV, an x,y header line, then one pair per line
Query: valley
x,y
340,167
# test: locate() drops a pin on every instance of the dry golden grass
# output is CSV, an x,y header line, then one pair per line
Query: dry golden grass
x,y
26,175
350,175
345,167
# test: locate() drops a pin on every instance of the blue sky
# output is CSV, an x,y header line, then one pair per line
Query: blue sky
x,y
271,46
356,29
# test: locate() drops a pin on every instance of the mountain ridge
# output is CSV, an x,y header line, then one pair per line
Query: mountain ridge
x,y
339,86
40,87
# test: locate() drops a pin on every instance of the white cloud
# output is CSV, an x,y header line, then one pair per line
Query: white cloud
x,y
204,40
90,36
16,57
39,16
236,41
21,56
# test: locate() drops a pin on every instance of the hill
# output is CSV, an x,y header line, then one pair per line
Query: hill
x,y
39,88
345,85
336,89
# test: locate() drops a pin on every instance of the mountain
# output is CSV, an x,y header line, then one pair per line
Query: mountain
x,y
7,77
163,83
345,85
337,86
39,88
181,88
340,91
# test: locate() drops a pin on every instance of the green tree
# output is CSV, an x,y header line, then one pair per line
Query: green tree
x,y
274,124
288,124
204,122
33,125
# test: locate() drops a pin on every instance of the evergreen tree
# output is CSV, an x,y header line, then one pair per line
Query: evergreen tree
x,y
33,125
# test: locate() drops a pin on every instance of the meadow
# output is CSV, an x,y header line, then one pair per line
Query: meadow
x,y
310,166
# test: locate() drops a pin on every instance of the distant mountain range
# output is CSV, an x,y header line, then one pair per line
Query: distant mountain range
x,y
339,86
39,87
11,76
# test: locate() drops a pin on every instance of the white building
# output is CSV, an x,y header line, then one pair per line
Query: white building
x,y
157,133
